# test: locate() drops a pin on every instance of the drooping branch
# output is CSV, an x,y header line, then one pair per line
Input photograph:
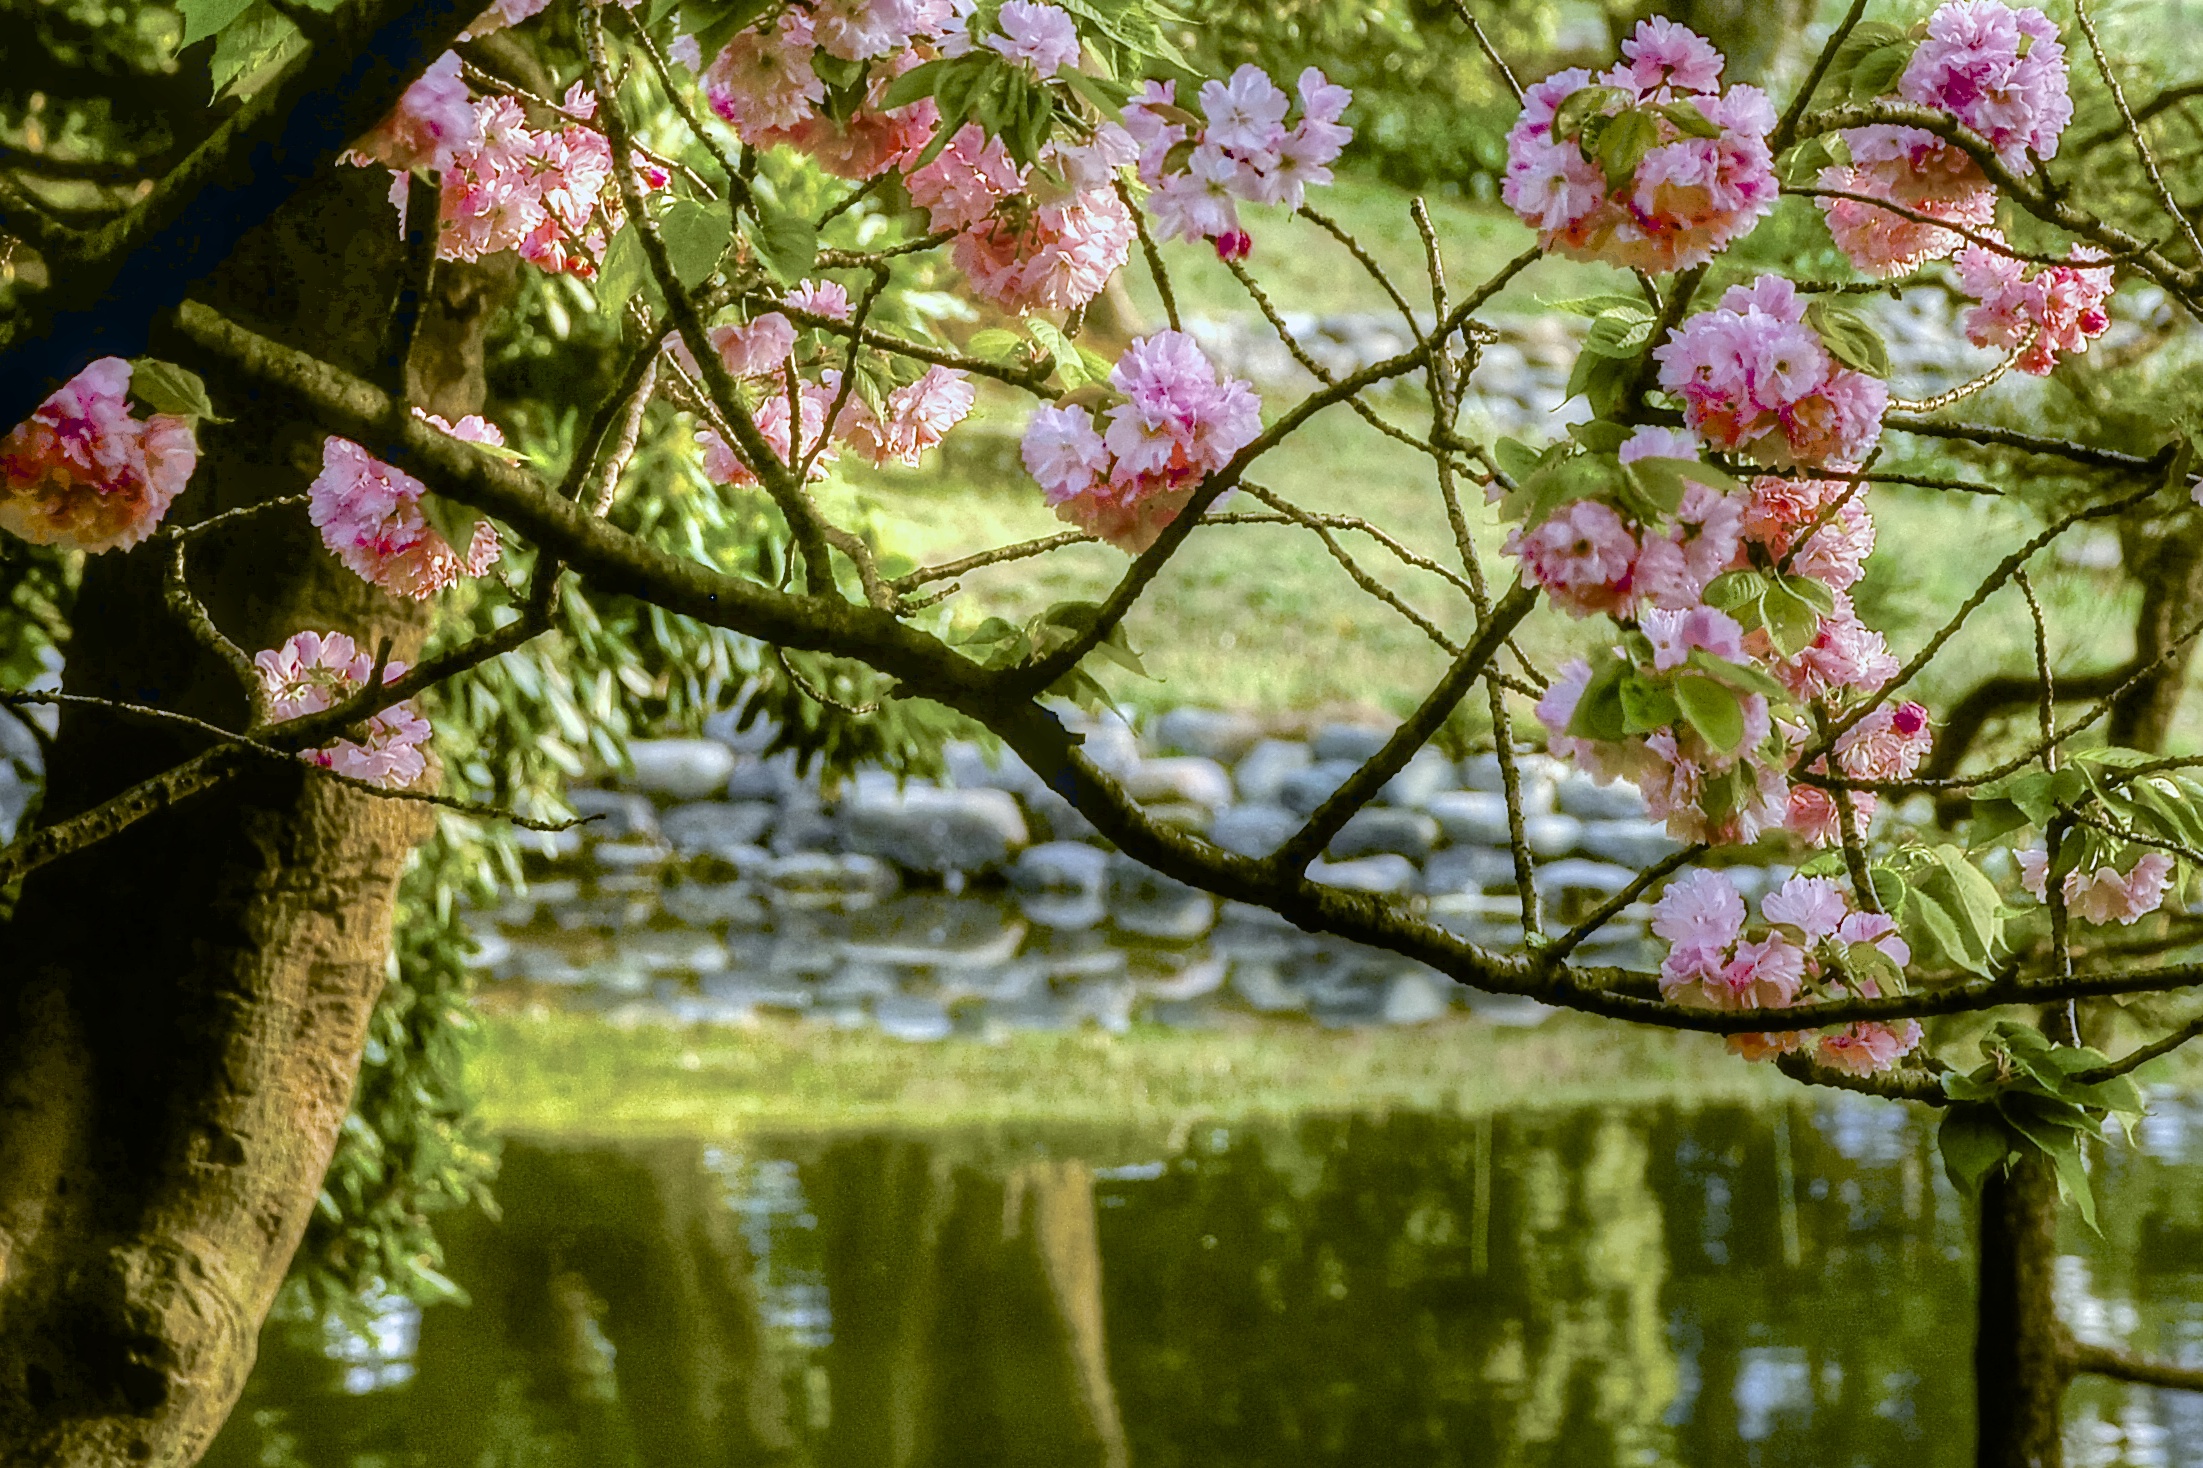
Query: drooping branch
x,y
2120,1366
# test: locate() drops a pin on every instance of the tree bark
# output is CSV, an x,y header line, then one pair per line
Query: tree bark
x,y
2020,1363
2166,558
182,1009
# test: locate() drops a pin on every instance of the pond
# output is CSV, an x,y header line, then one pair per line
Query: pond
x,y
1673,1284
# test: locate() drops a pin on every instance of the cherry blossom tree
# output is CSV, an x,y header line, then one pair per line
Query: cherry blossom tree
x,y
250,423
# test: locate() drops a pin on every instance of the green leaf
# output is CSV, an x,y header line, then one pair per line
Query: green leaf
x,y
167,388
259,40
1613,303
1646,705
2062,1145
1689,121
1848,337
1932,933
1655,489
1617,335
695,236
1792,622
1601,381
1816,594
1807,161
1740,676
203,18
1732,589
714,22
1581,105
1994,818
626,273
1624,144
1599,436
1108,97
1973,1141
1877,71
1069,365
1599,713
1517,460
787,243
995,344
1712,710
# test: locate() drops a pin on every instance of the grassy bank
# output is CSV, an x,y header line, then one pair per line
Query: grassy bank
x,y
575,1076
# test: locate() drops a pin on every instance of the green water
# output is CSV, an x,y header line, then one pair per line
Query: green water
x,y
1690,1286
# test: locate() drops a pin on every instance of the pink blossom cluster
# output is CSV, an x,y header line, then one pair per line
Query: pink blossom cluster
x,y
1237,147
1589,559
1756,380
1676,770
547,195
2059,309
913,417
1806,949
1999,71
83,473
432,124
2105,894
1687,198
765,83
1913,170
1887,744
369,515
1179,421
319,670
1050,241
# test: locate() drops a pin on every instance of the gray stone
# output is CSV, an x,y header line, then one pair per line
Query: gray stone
x,y
1471,817
613,815
1469,869
1637,843
1073,912
716,827
721,726
660,949
1352,742
1377,830
971,768
1551,835
1384,875
608,913
1262,773
1166,917
1304,790
492,951
1252,830
1579,875
913,1018
1265,989
1061,866
1183,779
680,769
1481,772
802,828
707,905
1491,922
1420,780
1202,977
1039,1013
1509,1010
925,829
1577,794
1107,1002
850,876
749,991
1209,733
556,892
1109,742
551,846
1416,997
856,983
937,933
767,779
629,856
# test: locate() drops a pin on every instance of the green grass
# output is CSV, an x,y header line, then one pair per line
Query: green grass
x,y
573,1075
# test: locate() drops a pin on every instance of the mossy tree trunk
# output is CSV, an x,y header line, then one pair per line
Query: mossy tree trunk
x,y
182,1009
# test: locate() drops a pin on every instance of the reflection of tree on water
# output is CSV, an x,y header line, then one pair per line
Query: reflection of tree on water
x,y
1582,1288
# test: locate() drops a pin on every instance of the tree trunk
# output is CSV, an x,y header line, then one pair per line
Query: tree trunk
x,y
182,1008
2020,1367
2166,558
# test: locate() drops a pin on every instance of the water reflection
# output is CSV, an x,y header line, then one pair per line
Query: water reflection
x,y
1666,1286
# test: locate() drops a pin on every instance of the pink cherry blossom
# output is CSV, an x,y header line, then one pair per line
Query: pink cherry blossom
x,y
2057,310
1038,34
1877,930
1844,653
1245,152
1701,542
1999,71
315,671
1653,441
722,465
826,298
1755,379
918,416
432,122
756,348
871,139
1180,422
1868,1047
860,30
1246,115
1687,198
1019,252
1816,906
84,474
1701,915
2105,895
1582,556
370,517
1917,171
763,79
547,195
1675,635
